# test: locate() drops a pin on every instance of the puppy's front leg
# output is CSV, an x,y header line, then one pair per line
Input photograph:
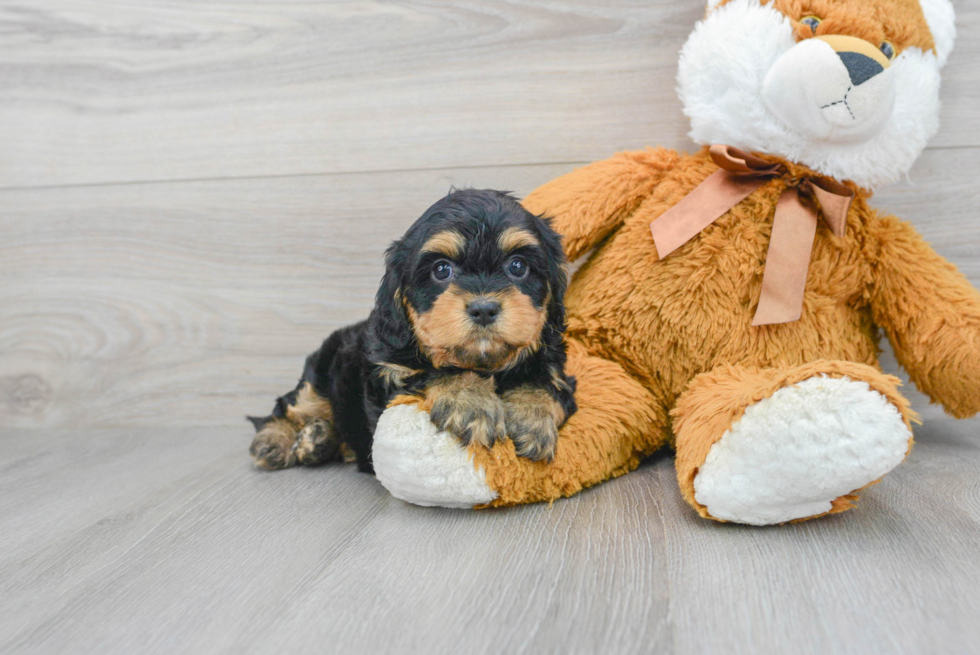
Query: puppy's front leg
x,y
466,405
533,419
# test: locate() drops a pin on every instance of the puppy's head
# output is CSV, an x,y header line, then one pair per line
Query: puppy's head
x,y
477,281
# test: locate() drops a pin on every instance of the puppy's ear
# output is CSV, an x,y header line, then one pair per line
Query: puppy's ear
x,y
389,320
557,272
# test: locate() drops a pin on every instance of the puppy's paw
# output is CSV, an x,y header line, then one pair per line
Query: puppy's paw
x,y
533,419
467,406
479,420
316,443
535,438
273,445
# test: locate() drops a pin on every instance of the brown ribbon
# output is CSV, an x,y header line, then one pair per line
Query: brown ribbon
x,y
793,229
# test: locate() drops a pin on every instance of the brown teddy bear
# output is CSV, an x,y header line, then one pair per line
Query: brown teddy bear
x,y
734,301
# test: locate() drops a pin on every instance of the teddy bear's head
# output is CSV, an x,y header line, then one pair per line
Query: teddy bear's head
x,y
849,88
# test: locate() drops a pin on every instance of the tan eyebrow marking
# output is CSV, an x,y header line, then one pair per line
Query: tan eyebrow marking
x,y
447,242
514,237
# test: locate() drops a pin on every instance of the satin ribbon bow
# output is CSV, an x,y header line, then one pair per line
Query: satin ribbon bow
x,y
793,228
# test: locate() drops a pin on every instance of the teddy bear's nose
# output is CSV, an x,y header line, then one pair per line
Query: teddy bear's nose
x,y
861,59
861,68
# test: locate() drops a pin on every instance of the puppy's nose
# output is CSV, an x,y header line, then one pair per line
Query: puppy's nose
x,y
483,311
861,68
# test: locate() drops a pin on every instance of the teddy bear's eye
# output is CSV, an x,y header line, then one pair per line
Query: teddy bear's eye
x,y
888,49
812,22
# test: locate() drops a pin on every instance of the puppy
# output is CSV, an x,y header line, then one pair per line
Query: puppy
x,y
467,323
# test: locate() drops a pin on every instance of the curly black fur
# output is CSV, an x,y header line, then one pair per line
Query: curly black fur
x,y
359,369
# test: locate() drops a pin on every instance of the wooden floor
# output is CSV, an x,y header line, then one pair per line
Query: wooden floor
x,y
193,193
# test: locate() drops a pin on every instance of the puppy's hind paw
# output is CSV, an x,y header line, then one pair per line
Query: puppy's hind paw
x,y
272,447
316,443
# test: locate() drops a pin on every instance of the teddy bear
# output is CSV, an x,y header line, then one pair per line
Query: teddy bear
x,y
733,300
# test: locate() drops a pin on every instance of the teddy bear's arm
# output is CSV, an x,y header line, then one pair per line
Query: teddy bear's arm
x,y
931,314
586,205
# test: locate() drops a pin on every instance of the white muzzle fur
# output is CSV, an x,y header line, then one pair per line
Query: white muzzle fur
x,y
839,96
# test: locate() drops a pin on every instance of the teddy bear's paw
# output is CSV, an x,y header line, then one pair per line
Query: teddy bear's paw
x,y
420,464
793,454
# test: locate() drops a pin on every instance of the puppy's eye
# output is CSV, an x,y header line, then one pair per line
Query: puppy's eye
x,y
442,270
812,22
888,49
517,268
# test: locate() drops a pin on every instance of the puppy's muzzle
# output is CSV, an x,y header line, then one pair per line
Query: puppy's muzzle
x,y
483,311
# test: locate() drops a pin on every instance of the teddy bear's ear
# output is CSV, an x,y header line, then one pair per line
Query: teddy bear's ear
x,y
942,23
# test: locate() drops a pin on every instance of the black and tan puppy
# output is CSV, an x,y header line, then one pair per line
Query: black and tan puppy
x,y
468,323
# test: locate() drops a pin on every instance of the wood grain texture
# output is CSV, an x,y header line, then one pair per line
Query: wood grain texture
x,y
180,89
127,90
896,575
188,549
195,303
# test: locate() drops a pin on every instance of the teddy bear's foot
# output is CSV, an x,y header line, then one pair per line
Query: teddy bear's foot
x,y
805,441
423,465
617,423
793,454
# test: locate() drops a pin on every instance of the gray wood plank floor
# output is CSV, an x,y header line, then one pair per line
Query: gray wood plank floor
x,y
194,193
166,540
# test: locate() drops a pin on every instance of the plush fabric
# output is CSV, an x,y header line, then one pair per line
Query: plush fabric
x,y
681,324
725,64
810,410
780,422
617,424
423,466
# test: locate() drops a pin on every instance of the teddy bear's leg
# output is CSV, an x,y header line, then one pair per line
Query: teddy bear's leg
x,y
764,446
618,422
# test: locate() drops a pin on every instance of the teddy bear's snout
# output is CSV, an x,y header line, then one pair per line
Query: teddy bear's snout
x,y
860,68
835,88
